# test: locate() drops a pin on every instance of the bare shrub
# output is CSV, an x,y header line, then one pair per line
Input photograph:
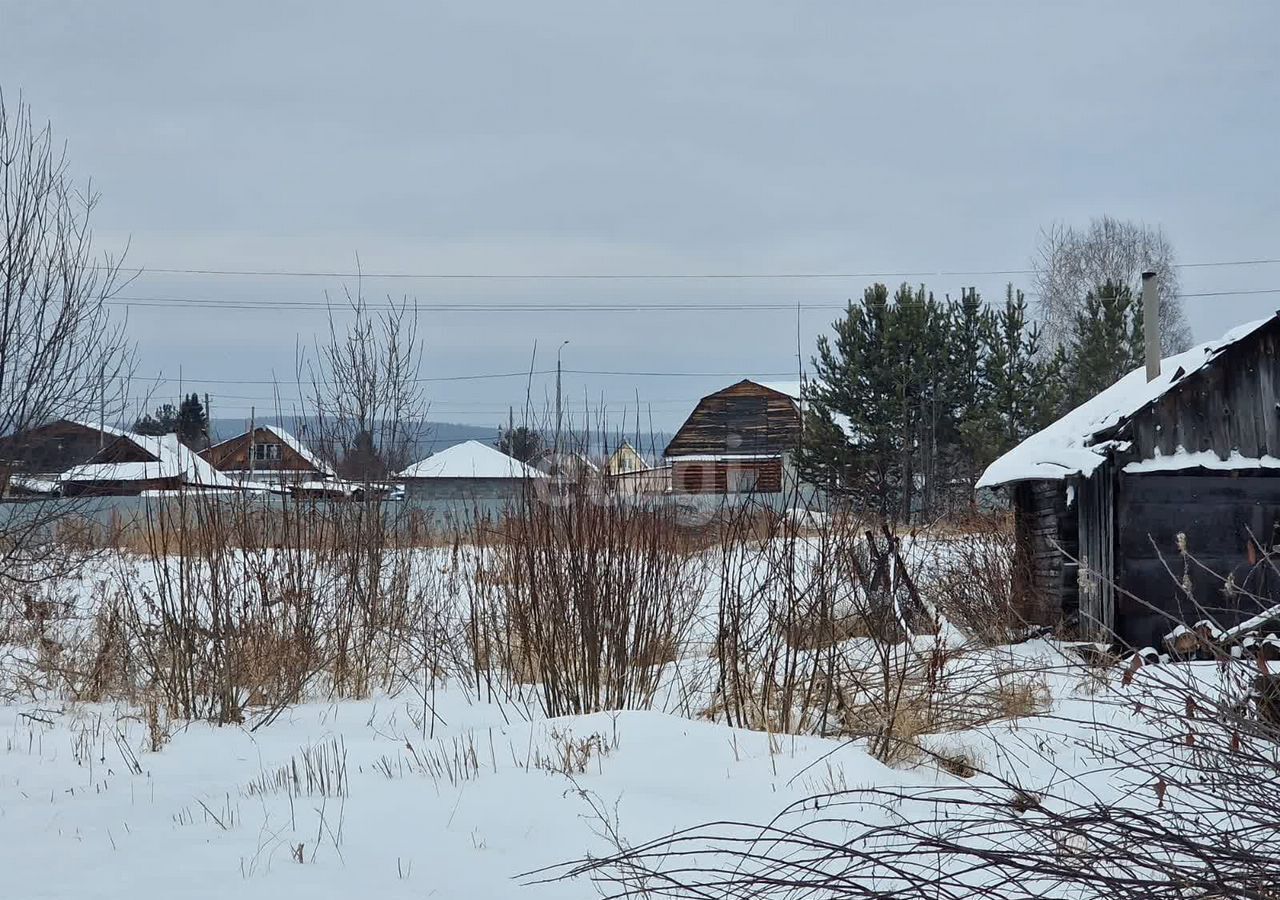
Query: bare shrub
x,y
588,600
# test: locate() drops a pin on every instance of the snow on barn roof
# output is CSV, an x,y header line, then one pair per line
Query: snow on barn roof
x,y
470,459
1067,447
170,459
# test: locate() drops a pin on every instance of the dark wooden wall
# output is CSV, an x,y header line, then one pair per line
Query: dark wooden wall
x,y
744,418
1228,405
690,477
1221,515
60,445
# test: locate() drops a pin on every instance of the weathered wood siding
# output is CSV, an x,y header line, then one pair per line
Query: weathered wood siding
x,y
60,445
1041,524
744,418
724,476
1221,516
1095,518
1228,405
232,455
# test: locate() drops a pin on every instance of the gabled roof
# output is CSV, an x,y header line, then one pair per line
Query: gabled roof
x,y
470,459
170,459
292,443
1077,443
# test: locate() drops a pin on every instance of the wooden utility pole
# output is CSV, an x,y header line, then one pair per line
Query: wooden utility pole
x,y
253,434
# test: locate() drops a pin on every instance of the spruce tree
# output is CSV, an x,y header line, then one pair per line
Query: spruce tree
x,y
1106,341
192,425
163,421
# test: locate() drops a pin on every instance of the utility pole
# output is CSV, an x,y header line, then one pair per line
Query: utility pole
x,y
253,429
558,413
102,406
1151,322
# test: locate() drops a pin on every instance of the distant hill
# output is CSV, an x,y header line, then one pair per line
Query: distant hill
x,y
432,436
435,436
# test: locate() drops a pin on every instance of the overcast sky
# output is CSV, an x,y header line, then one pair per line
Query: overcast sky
x,y
520,138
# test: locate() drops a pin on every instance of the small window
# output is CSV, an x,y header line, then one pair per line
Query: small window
x,y
266,452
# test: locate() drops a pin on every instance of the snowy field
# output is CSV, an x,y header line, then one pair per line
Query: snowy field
x,y
427,788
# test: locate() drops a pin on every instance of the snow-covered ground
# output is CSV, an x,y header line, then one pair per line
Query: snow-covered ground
x,y
446,796
87,810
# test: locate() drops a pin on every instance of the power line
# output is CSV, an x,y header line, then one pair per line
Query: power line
x,y
179,303
639,276
162,379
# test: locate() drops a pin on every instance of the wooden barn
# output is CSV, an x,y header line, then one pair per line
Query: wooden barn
x,y
737,440
1107,499
268,454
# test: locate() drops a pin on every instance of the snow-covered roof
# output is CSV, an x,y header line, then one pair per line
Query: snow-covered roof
x,y
1069,447
293,444
170,459
470,459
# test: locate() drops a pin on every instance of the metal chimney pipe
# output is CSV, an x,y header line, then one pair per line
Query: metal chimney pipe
x,y
1151,322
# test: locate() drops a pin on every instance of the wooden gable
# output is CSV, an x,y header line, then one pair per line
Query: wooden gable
x,y
232,455
744,419
59,445
1228,406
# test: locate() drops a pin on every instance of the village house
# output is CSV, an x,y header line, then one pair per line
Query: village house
x,y
269,455
52,448
468,471
134,464
738,440
79,458
627,472
1155,502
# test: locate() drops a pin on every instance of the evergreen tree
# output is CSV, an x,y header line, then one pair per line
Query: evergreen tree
x,y
887,379
1106,341
363,461
522,442
192,425
1020,388
163,421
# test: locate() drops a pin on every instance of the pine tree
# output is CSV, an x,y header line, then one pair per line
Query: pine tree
x,y
522,442
192,425
1106,341
163,421
1020,389
363,461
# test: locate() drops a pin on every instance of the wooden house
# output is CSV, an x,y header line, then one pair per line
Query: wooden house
x,y
136,464
56,446
268,455
1156,502
737,440
624,460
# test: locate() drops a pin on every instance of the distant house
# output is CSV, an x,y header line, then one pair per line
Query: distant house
x,y
627,472
268,454
624,460
54,447
134,464
467,471
565,465
737,440
1106,498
